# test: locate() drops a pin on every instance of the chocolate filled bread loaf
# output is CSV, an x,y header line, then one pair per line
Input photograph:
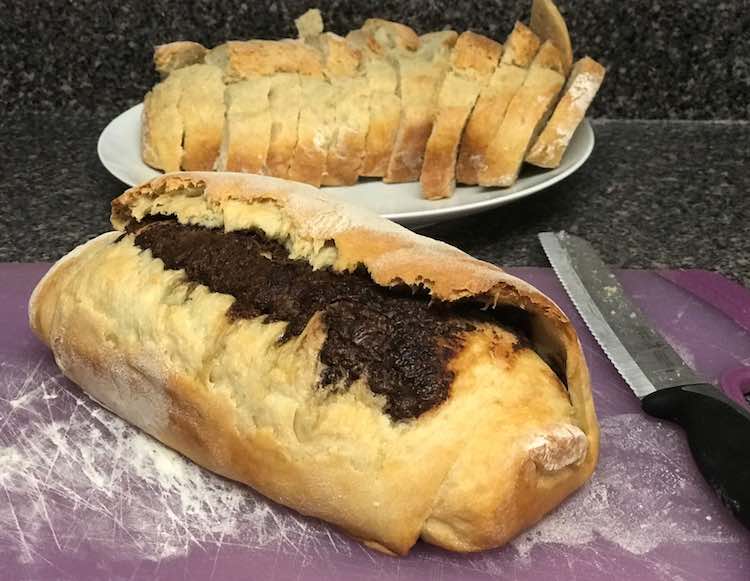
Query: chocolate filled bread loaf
x,y
334,361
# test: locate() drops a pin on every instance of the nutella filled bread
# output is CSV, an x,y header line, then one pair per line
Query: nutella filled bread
x,y
337,363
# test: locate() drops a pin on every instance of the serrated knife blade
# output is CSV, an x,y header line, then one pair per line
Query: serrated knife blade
x,y
717,428
643,357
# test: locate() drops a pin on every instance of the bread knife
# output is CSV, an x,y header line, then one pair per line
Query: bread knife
x,y
717,428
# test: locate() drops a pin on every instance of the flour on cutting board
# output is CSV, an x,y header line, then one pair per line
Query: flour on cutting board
x,y
615,506
71,472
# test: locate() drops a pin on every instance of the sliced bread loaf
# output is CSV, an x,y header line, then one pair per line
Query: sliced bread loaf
x,y
527,113
584,81
247,126
473,61
420,77
518,52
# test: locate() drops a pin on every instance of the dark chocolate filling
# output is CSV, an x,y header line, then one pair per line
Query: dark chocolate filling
x,y
397,339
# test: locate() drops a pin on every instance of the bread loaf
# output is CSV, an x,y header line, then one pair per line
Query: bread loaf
x,y
380,102
337,363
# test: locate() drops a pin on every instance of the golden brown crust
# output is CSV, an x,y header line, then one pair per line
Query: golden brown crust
x,y
176,55
584,81
246,59
548,24
154,371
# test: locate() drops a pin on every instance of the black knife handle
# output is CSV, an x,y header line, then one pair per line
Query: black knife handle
x,y
718,431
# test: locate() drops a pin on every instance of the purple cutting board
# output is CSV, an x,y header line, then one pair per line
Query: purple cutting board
x,y
84,496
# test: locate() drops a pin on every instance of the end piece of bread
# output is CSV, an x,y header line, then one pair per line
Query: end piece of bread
x,y
518,52
247,127
162,128
473,60
526,115
420,77
284,103
176,55
548,24
584,81
201,107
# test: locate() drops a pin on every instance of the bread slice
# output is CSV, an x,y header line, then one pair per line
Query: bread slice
x,y
315,131
284,103
247,127
473,60
201,108
176,55
548,24
526,115
240,60
584,81
348,132
518,51
420,77
375,41
162,128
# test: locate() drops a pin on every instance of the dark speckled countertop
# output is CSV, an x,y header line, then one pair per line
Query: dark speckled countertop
x,y
654,194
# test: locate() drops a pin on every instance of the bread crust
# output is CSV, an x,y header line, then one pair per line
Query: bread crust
x,y
240,60
152,361
548,24
584,81
176,55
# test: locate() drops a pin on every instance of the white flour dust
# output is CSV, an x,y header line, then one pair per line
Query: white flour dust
x,y
71,472
91,477
640,496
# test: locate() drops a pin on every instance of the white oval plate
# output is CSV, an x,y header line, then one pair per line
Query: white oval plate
x,y
120,152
